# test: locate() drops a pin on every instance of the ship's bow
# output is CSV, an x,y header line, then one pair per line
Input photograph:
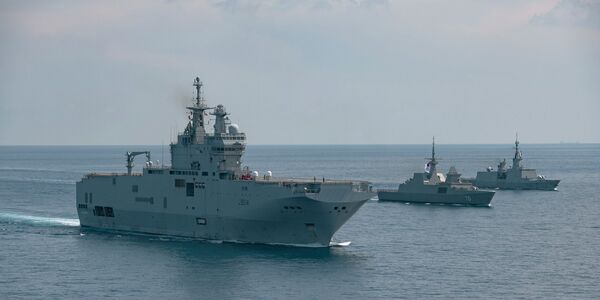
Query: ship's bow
x,y
333,209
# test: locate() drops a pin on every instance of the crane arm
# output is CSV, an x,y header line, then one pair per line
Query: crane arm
x,y
132,155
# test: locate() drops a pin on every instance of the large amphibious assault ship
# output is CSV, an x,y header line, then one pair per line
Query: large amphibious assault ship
x,y
515,177
435,188
206,194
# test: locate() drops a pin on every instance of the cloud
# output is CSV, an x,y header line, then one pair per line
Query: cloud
x,y
49,20
581,13
307,63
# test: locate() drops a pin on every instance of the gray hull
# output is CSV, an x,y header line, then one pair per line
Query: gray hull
x,y
541,185
473,198
260,212
298,230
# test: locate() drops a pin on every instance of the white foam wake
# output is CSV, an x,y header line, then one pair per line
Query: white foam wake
x,y
340,244
36,220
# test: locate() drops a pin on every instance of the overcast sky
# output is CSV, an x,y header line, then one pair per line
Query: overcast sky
x,y
302,72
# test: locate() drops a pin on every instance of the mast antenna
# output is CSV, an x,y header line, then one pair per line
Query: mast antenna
x,y
432,158
433,149
198,85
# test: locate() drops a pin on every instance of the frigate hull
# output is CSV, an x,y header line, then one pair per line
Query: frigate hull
x,y
471,198
490,180
540,185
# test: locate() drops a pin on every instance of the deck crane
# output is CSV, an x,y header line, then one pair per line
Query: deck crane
x,y
131,155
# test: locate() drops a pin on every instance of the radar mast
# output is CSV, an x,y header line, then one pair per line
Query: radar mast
x,y
195,128
518,156
433,149
430,167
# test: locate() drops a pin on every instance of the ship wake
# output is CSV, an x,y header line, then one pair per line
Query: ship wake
x,y
13,218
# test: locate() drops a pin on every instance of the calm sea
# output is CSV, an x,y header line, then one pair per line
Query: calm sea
x,y
529,244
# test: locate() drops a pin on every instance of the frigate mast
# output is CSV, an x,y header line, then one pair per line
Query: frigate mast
x,y
432,161
518,156
433,151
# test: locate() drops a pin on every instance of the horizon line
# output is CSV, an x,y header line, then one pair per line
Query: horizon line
x,y
375,144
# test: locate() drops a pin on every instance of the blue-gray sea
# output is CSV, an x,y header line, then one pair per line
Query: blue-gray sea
x,y
529,244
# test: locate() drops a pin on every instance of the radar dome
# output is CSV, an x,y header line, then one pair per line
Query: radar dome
x,y
234,129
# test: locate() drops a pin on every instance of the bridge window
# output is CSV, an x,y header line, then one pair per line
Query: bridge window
x,y
134,188
442,190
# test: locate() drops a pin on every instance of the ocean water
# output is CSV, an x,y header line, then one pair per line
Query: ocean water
x,y
529,244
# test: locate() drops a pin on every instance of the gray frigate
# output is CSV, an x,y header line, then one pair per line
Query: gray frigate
x,y
435,188
207,194
514,178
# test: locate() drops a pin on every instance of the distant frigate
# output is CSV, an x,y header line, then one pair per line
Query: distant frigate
x,y
206,194
515,177
432,187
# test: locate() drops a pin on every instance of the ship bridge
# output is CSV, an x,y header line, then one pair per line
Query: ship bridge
x,y
219,151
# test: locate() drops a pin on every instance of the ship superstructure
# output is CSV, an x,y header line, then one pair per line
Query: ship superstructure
x,y
207,194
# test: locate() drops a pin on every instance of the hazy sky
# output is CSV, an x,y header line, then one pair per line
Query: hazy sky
x,y
302,72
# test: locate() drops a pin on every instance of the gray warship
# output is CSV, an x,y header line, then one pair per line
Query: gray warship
x,y
435,188
515,177
207,194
